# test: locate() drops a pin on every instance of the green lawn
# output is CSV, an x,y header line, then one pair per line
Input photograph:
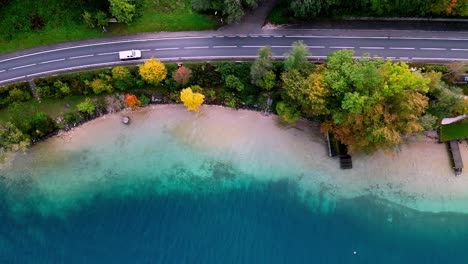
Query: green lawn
x,y
454,131
53,107
157,15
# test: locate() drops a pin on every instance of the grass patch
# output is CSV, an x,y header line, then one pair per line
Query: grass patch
x,y
53,107
454,131
157,15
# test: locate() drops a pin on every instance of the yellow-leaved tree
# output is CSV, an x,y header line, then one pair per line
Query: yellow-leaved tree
x,y
190,99
152,71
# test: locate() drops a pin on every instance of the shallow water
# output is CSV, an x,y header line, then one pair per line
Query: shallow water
x,y
158,192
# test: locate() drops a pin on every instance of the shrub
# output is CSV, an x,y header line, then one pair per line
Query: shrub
x,y
99,85
42,125
16,95
144,100
234,83
132,101
288,113
71,118
87,107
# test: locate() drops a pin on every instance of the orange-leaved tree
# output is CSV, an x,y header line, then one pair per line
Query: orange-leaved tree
x,y
190,99
152,71
132,101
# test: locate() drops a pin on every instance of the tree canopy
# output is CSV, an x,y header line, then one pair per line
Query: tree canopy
x,y
368,104
152,71
190,99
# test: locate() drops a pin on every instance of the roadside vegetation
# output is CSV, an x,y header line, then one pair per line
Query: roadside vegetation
x,y
368,104
298,10
31,23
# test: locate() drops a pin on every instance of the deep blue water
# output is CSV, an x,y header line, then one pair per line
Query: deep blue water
x,y
263,223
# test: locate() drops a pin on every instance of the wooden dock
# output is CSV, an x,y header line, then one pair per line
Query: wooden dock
x,y
455,156
338,149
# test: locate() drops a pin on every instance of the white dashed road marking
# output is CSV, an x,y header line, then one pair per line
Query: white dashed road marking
x,y
44,62
83,56
24,66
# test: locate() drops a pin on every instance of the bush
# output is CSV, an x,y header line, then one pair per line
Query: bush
x,y
87,107
16,95
18,92
71,118
287,112
144,99
234,83
41,125
204,74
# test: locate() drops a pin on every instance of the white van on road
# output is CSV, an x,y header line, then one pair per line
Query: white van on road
x,y
130,54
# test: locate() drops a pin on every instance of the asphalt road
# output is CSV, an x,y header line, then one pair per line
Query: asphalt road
x,y
236,47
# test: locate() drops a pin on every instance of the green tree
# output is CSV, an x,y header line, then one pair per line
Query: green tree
x,y
12,138
370,103
233,11
261,66
87,106
123,10
288,113
88,19
297,58
268,81
101,19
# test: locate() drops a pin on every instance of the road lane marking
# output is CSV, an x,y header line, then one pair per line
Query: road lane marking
x,y
337,47
200,47
440,59
399,48
222,47
50,61
459,49
336,37
279,47
277,36
167,49
372,48
316,47
432,48
12,79
24,66
104,43
2,70
145,50
252,46
82,56
107,53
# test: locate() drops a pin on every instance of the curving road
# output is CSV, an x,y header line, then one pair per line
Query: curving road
x,y
236,47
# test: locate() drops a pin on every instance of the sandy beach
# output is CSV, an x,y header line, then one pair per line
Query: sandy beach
x,y
418,175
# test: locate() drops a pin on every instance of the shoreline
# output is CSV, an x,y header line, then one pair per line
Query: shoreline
x,y
418,176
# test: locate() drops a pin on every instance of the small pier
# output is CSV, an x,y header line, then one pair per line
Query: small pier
x,y
346,162
455,156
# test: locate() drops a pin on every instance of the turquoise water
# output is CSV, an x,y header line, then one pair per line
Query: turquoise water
x,y
158,192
